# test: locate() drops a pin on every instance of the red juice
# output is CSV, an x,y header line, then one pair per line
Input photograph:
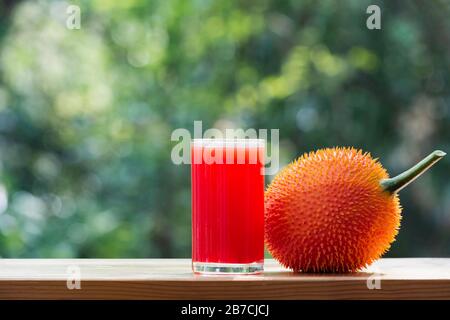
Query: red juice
x,y
227,205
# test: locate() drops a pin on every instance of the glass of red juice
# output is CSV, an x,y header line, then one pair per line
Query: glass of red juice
x,y
227,205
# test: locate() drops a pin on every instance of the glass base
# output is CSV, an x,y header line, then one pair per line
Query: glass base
x,y
227,268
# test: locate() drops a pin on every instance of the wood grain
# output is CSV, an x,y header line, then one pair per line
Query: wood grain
x,y
424,278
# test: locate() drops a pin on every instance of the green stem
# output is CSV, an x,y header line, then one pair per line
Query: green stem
x,y
397,183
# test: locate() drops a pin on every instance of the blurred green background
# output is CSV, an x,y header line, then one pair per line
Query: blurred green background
x,y
86,115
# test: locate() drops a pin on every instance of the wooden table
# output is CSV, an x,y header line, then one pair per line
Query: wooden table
x,y
172,279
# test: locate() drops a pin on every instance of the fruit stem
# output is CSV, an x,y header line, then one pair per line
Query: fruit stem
x,y
395,184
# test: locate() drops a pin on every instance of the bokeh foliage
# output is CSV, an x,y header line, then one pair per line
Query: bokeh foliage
x,y
86,115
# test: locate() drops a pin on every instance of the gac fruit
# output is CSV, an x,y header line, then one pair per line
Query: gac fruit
x,y
335,210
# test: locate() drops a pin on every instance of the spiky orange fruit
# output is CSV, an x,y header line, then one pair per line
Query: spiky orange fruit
x,y
328,212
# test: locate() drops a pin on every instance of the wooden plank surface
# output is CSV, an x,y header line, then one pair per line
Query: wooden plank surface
x,y
425,278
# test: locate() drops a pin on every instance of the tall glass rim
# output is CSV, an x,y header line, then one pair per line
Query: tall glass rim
x,y
220,142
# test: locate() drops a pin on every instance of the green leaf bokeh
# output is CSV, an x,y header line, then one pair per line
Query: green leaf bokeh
x,y
86,115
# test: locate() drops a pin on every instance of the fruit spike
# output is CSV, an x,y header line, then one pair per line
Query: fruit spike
x,y
328,211
397,183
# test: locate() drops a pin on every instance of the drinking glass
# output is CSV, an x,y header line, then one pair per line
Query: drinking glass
x,y
227,205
